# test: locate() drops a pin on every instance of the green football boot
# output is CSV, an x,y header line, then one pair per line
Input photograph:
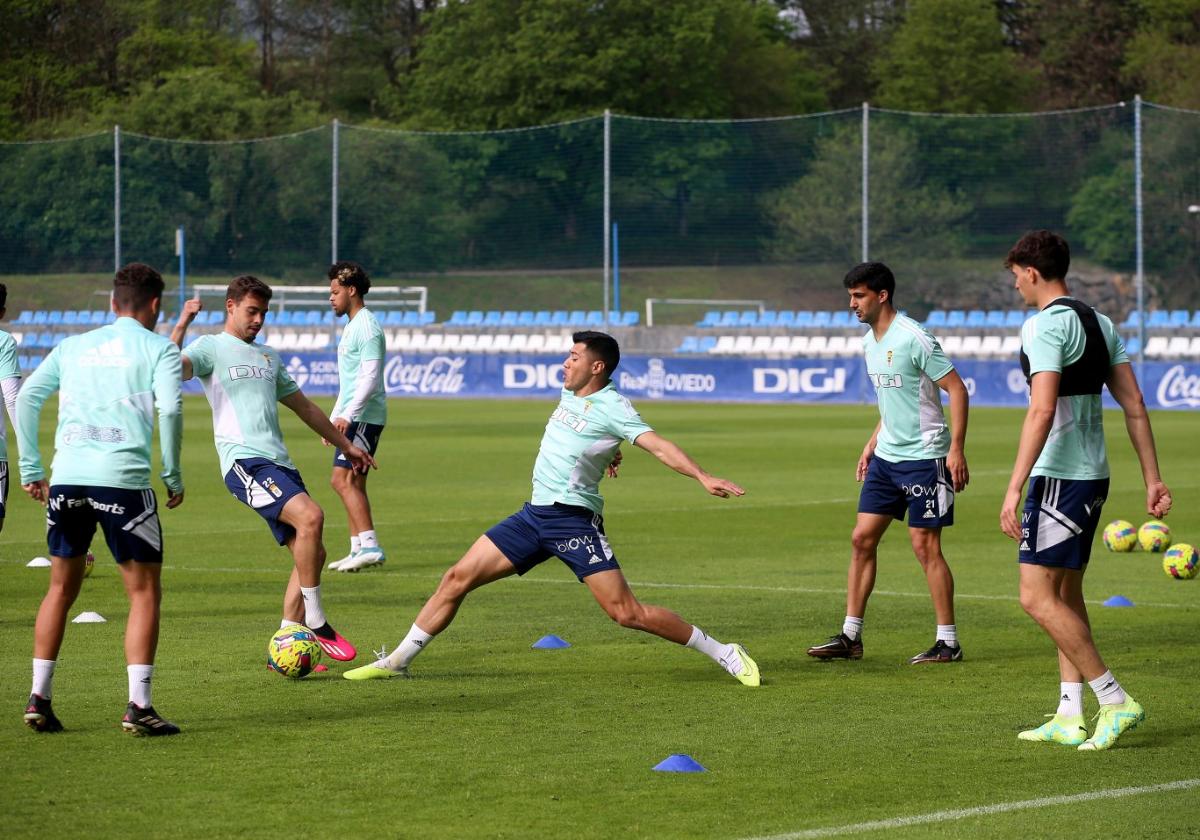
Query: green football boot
x,y
1112,722
1068,730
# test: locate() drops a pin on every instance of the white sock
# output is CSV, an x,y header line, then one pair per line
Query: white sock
x,y
368,539
1108,690
139,684
852,627
314,615
407,650
948,633
1070,700
43,677
355,543
707,645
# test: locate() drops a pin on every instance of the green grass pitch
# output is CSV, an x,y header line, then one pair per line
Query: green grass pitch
x,y
493,739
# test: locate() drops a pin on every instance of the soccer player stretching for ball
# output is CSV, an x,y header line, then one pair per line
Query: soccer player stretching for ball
x,y
912,462
581,442
244,383
110,382
1069,353
361,408
10,384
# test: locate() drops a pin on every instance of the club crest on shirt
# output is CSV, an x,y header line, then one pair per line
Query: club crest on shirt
x,y
889,358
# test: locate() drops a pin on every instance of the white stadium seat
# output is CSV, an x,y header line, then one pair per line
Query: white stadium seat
x,y
742,344
520,341
452,342
951,345
497,343
724,344
321,340
435,341
304,341
837,346
1178,347
817,345
799,345
991,345
762,344
467,343
971,345
1156,346
781,344
1011,346
536,343
418,341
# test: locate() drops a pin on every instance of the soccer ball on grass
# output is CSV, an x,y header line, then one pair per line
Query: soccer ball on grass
x,y
1119,535
1181,561
294,651
1154,536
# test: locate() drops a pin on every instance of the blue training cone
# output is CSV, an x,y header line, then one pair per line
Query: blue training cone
x,y
550,642
680,763
1118,601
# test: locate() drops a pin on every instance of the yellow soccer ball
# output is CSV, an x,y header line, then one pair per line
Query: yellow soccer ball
x,y
294,651
1120,535
1181,561
1154,536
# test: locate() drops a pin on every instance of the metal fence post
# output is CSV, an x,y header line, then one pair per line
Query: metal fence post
x,y
607,206
116,198
1139,277
866,180
333,203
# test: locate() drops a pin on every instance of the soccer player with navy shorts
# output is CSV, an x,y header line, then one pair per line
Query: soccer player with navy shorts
x,y
1069,353
564,518
110,382
913,463
245,382
361,408
10,384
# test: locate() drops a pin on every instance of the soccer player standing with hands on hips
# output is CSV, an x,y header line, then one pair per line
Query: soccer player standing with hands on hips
x,y
244,383
912,463
110,382
564,518
1069,352
361,408
10,384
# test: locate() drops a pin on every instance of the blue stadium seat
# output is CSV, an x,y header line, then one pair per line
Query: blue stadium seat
x,y
1014,318
70,317
1196,320
748,318
804,318
577,318
786,318
525,318
1158,319
707,343
427,317
937,318
822,319
976,318
57,338
690,344
1132,321
541,318
595,318
995,318
843,319
1133,346
54,317
100,316
1180,317
559,318
712,318
412,318
458,318
26,317
475,318
631,318
729,318
956,318
509,318
395,318
768,318
39,317
327,317
271,317
492,318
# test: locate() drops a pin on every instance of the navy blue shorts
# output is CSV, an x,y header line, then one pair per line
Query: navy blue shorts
x,y
266,487
128,518
923,488
3,488
1059,521
536,533
364,436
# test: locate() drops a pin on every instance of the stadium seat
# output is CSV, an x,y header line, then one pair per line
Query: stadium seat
x,y
26,317
1156,346
417,340
976,318
595,318
843,319
70,318
1011,346
768,318
712,318
1196,320
822,319
39,317
99,316
427,317
270,318
541,318
761,345
804,318
1178,347
996,318
412,318
577,318
458,318
1157,320
729,318
817,345
839,345
937,318
1180,317
559,318
1194,351
525,318
474,318
971,345
486,342
1133,346
1132,321
748,318
435,341
54,317
991,345
394,318
1014,318
536,343
707,343
951,345
799,345
519,342
724,345
781,345
510,317
452,342
956,318
743,344
492,318
786,318
690,344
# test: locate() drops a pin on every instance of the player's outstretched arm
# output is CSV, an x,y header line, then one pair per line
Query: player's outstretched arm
x,y
1043,399
956,458
315,419
1123,385
191,308
678,460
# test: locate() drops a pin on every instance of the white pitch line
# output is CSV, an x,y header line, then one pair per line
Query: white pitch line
x,y
981,811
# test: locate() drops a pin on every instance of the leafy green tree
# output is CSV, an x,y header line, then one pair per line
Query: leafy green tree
x,y
1163,60
950,56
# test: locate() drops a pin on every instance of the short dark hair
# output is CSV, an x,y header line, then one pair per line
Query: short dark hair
x,y
3,295
135,285
349,273
601,345
245,285
875,276
1044,250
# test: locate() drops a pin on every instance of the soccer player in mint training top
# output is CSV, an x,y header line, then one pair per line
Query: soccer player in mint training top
x,y
110,382
244,383
913,463
1069,353
361,408
10,384
564,518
